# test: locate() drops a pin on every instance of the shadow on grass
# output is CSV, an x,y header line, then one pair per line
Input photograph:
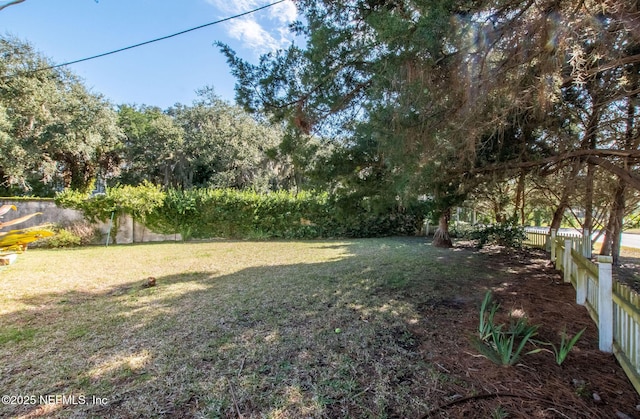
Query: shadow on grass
x,y
306,339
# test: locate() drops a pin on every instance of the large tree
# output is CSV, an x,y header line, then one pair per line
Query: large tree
x,y
210,143
153,149
460,92
365,73
56,133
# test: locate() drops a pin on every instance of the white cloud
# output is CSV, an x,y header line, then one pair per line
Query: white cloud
x,y
252,35
236,6
263,31
285,12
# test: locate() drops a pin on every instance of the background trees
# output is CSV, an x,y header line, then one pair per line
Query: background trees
x,y
55,133
153,147
457,95
208,144
225,146
514,104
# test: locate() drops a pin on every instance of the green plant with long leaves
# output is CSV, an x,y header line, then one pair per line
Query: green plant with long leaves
x,y
503,347
486,316
566,345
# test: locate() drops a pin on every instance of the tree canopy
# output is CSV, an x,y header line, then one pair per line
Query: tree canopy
x,y
457,93
54,132
208,144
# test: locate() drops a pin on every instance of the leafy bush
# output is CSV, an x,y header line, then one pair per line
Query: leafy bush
x,y
63,238
507,234
230,213
137,201
205,213
364,216
461,230
76,234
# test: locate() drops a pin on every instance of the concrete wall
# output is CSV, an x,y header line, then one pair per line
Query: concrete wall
x,y
51,214
128,230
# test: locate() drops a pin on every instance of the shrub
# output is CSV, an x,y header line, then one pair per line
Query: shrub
x,y
137,201
87,233
79,233
205,213
461,230
230,213
63,238
507,234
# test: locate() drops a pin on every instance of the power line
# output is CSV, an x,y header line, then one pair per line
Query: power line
x,y
93,57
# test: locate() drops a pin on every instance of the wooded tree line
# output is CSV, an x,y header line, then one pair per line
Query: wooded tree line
x,y
523,107
456,99
56,134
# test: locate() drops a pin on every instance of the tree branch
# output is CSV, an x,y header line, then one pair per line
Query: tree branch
x,y
607,66
627,176
594,156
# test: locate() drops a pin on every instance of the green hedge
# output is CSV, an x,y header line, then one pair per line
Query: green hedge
x,y
205,213
230,213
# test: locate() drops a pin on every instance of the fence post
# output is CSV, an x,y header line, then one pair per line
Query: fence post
x,y
581,285
567,260
586,243
605,304
553,246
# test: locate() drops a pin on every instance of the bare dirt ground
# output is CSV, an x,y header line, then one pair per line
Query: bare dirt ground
x,y
588,384
629,270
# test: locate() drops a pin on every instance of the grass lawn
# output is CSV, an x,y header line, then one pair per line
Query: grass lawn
x,y
275,329
281,329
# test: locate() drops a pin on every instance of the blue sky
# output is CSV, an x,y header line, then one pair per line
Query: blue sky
x,y
160,74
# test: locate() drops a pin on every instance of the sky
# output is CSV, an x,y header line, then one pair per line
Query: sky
x,y
159,74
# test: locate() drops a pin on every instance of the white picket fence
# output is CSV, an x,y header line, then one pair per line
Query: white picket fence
x,y
613,306
540,237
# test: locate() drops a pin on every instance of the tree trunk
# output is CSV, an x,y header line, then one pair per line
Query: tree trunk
x,y
588,200
618,217
564,199
441,237
613,235
559,213
519,202
619,201
606,242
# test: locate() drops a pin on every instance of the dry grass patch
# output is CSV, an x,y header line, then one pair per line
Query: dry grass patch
x,y
262,329
282,329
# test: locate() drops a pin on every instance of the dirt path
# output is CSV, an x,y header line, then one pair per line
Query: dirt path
x,y
588,384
